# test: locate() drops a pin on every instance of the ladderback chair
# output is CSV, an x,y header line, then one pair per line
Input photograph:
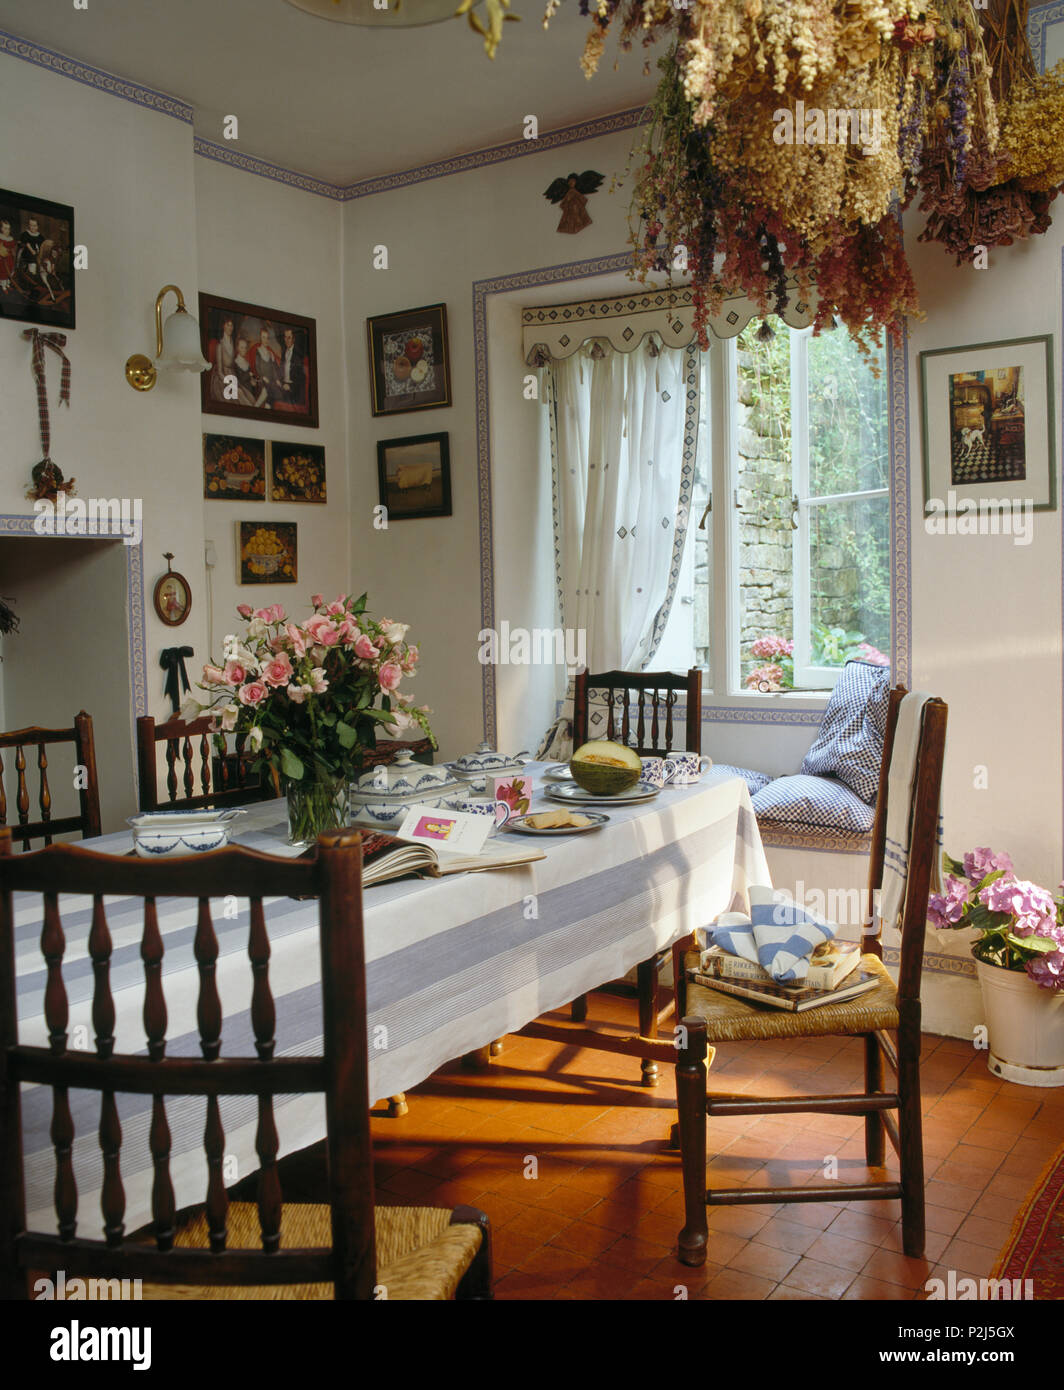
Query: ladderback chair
x,y
887,1018
15,797
650,696
193,767
345,1249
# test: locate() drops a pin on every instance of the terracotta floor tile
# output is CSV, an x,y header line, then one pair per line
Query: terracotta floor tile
x,y
764,1260
840,1251
944,1194
984,1230
784,1292
974,1259
637,1256
511,1249
942,1219
558,1264
736,1284
862,1226
896,1268
864,1287
537,1225
965,1175
1009,1186
585,1238
827,1281
782,1234
737,1221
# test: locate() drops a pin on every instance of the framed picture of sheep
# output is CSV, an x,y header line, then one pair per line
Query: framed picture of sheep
x,y
415,476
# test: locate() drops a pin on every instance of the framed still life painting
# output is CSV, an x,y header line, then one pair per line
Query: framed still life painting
x,y
268,552
414,474
234,470
409,364
988,431
36,260
297,472
264,363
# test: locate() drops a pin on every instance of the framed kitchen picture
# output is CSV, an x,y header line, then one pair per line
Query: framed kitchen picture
x,y
415,476
234,470
988,431
410,367
36,260
297,472
264,363
268,552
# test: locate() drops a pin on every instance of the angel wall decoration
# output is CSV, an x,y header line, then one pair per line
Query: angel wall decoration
x,y
572,193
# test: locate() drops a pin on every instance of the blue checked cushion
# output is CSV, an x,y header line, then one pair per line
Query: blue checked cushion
x,y
849,745
778,935
754,780
813,803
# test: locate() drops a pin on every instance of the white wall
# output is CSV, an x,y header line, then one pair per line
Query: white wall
x,y
128,172
265,244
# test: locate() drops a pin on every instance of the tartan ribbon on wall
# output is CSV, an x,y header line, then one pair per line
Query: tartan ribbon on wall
x,y
57,342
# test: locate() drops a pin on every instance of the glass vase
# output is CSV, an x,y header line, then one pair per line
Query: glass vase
x,y
315,805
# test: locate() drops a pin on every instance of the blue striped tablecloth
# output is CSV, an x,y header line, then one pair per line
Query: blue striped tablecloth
x,y
450,963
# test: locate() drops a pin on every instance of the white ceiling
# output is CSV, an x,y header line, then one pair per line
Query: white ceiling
x,y
342,102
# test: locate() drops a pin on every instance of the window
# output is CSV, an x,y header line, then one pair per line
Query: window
x,y
799,462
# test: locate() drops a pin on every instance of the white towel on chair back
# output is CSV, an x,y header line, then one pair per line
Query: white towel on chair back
x,y
900,780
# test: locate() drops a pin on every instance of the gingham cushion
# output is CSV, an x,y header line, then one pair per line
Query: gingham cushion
x,y
813,803
754,780
849,745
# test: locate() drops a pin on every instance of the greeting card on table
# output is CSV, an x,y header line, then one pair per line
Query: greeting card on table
x,y
448,832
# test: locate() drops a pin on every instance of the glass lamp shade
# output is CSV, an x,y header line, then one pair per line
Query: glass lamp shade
x,y
181,345
396,13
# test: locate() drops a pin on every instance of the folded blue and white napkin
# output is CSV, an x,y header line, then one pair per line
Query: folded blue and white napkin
x,y
778,935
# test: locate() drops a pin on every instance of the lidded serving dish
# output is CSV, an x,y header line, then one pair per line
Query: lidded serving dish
x,y
486,762
383,795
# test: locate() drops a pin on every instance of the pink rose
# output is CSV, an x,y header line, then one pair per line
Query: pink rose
x,y
273,614
214,675
244,609
365,649
299,647
316,600
338,605
278,671
348,630
235,673
389,676
410,660
252,693
324,633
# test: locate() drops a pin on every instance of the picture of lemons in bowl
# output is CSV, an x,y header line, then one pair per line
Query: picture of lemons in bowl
x,y
264,552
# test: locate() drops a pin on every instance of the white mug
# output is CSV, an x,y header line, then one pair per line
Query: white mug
x,y
689,767
657,771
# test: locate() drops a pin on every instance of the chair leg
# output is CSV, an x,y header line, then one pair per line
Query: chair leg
x,y
679,977
910,1129
691,1116
397,1105
874,1133
647,985
476,1282
578,1009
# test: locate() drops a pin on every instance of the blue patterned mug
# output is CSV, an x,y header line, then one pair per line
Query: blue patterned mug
x,y
688,766
483,806
657,771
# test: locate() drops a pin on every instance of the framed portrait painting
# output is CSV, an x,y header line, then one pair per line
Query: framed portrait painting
x,y
414,474
268,552
36,260
988,434
264,363
234,470
409,364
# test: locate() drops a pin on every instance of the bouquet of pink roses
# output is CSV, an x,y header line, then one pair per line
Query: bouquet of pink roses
x,y
1021,926
309,696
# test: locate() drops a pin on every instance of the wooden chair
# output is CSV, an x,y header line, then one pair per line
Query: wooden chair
x,y
347,1249
193,766
654,736
47,826
713,1017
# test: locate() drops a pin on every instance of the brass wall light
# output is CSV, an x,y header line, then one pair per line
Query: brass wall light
x,y
177,345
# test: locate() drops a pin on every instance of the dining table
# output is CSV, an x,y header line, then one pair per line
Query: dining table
x,y
452,964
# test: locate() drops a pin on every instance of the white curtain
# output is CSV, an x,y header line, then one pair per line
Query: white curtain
x,y
624,427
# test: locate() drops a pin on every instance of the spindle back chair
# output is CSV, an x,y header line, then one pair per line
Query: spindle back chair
x,y
653,729
334,875
85,780
887,1019
194,767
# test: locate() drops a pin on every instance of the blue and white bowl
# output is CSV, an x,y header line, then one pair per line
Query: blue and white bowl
x,y
167,834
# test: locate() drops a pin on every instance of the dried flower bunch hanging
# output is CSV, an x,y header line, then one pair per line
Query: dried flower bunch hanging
x,y
786,134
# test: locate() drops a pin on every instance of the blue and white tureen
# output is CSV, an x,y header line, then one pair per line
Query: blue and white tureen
x,y
486,762
382,796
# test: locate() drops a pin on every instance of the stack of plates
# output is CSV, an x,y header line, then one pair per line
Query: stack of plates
x,y
571,793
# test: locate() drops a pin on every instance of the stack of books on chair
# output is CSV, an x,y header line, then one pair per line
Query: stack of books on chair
x,y
833,977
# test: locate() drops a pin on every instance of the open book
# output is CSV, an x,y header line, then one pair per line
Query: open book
x,y
384,857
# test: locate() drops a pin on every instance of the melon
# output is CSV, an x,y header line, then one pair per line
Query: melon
x,y
605,768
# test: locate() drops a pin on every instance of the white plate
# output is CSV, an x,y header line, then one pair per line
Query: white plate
x,y
557,772
571,792
164,820
595,817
